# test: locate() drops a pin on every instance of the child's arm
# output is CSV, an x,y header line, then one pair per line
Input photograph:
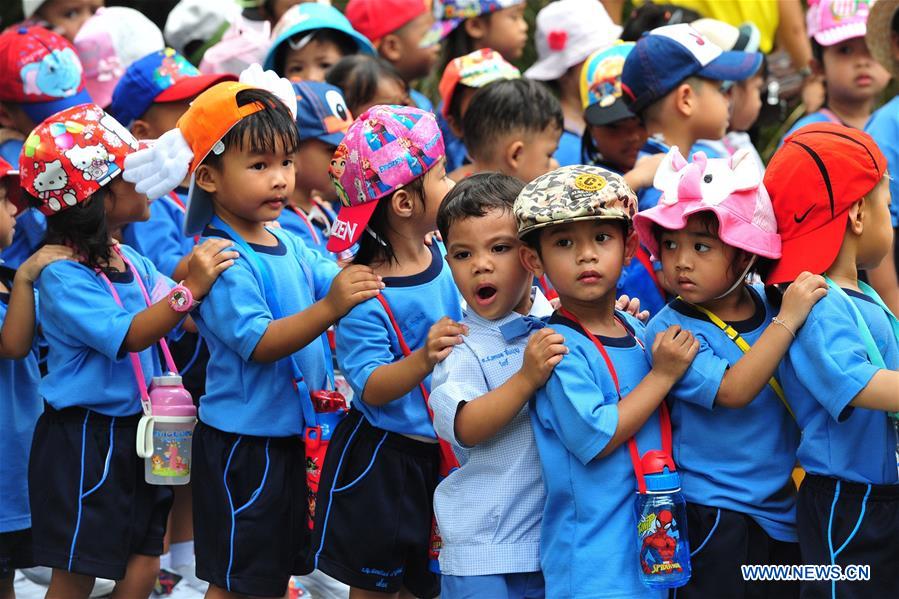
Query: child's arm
x,y
17,334
207,262
644,172
747,378
352,285
881,392
480,419
392,381
672,353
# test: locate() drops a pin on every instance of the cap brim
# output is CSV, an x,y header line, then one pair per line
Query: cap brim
x,y
603,115
836,35
198,211
732,66
14,191
814,252
40,111
188,87
349,226
332,139
549,68
362,43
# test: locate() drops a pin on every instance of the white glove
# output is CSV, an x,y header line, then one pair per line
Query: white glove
x,y
161,167
271,82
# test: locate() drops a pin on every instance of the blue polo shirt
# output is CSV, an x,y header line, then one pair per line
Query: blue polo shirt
x,y
589,540
254,398
19,412
825,368
366,341
312,228
31,228
85,329
569,150
162,238
736,459
884,128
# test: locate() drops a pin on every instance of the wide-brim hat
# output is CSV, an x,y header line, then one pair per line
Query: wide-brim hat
x,y
879,36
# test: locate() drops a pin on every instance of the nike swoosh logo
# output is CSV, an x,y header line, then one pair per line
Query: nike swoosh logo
x,y
799,219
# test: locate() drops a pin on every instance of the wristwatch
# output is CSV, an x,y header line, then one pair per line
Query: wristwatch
x,y
181,299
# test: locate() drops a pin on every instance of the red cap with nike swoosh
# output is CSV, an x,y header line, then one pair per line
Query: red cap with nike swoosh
x,y
813,180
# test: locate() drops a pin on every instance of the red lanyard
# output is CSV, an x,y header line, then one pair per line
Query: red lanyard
x,y
174,197
644,259
308,223
664,418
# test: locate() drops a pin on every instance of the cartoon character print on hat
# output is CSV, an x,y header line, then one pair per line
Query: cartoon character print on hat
x,y
574,193
71,155
173,68
56,74
464,9
336,170
605,86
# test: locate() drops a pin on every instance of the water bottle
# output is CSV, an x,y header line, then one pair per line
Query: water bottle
x,y
164,437
330,408
662,525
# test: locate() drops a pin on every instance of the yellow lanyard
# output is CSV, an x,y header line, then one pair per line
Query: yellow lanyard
x,y
734,336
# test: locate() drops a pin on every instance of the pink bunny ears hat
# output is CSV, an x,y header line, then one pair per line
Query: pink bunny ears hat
x,y
731,188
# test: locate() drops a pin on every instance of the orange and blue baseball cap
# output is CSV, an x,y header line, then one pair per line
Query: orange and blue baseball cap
x,y
813,180
475,70
322,112
163,76
40,71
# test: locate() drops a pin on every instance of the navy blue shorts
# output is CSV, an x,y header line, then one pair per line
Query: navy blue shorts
x,y
90,506
373,514
843,523
249,493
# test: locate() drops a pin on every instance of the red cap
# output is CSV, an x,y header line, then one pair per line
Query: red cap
x,y
9,177
813,179
376,18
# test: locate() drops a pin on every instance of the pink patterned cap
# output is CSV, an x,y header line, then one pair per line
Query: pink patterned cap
x,y
387,147
730,187
833,21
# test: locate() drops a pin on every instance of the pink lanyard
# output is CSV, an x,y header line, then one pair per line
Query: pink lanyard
x,y
308,223
135,358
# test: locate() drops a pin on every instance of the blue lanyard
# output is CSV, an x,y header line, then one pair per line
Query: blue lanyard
x,y
271,298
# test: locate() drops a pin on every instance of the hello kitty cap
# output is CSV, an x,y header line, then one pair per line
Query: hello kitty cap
x,y
71,155
387,147
730,187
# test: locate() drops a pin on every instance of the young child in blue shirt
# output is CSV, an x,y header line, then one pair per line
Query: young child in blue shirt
x,y
734,435
19,379
264,334
491,547
830,191
576,224
373,513
93,313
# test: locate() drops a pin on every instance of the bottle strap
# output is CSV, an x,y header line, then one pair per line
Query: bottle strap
x,y
446,452
870,345
271,298
177,200
136,367
664,416
744,346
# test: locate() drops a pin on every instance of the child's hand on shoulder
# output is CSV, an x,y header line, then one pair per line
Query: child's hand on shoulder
x,y
352,285
631,305
445,334
206,262
544,350
799,299
31,269
672,352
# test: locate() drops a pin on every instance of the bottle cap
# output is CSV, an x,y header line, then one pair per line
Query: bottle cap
x,y
662,482
167,380
659,471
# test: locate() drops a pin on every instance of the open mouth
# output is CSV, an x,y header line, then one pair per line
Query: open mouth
x,y
485,293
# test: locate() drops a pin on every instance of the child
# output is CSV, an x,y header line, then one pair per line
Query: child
x,y
462,77
23,104
852,78
311,38
264,334
400,30
322,121
568,32
735,437
64,17
673,81
474,24
83,467
491,547
367,81
376,537
576,226
513,127
19,380
830,193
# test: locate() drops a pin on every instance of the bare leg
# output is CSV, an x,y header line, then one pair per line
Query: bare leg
x,y
140,576
68,585
181,521
363,594
215,592
7,588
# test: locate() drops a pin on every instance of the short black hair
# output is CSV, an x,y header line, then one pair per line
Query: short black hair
x,y
649,16
374,246
358,76
508,106
476,195
260,130
81,227
344,43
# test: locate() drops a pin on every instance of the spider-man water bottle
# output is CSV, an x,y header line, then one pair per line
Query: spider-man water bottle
x,y
662,525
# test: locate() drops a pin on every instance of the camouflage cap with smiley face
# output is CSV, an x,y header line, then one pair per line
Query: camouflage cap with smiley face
x,y
573,193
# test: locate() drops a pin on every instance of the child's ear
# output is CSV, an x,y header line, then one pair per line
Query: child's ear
x,y
530,259
476,27
513,155
631,242
390,47
205,177
402,203
141,129
685,99
857,217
